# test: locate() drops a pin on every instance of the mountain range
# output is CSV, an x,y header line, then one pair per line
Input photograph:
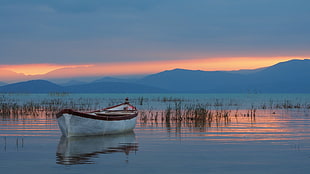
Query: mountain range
x,y
285,77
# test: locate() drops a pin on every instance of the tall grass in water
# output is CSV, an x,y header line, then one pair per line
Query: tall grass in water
x,y
158,109
47,106
197,115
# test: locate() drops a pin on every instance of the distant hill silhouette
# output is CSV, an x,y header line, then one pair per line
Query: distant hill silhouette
x,y
291,76
73,82
32,86
43,86
113,79
180,80
286,77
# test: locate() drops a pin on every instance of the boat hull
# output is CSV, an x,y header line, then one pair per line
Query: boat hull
x,y
72,125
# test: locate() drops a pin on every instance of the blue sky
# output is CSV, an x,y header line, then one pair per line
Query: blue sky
x,y
90,31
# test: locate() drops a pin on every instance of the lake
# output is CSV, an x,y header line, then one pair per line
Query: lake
x,y
262,133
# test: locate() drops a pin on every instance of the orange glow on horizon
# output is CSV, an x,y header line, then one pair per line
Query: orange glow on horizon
x,y
207,64
48,71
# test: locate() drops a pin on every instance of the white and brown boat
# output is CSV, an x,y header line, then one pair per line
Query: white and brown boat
x,y
112,120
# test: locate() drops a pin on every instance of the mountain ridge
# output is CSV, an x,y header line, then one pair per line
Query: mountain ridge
x,y
45,86
284,77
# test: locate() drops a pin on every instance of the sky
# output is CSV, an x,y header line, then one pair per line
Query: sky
x,y
125,37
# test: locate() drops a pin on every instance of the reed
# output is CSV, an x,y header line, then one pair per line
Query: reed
x,y
197,114
171,99
172,109
168,113
178,110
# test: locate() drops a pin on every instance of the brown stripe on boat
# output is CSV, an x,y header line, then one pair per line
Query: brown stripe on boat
x,y
97,116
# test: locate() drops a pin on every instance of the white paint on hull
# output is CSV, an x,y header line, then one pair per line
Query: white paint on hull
x,y
71,125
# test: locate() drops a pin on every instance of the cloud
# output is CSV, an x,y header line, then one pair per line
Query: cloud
x,y
81,31
37,69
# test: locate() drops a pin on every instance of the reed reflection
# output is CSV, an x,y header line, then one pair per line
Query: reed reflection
x,y
230,125
83,150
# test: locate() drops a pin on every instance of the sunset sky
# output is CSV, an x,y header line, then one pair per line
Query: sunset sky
x,y
80,38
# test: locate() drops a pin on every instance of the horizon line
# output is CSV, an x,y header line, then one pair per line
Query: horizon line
x,y
141,68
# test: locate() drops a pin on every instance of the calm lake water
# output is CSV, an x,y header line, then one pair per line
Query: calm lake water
x,y
274,141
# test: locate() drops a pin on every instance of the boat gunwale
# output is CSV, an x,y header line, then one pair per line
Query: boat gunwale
x,y
105,116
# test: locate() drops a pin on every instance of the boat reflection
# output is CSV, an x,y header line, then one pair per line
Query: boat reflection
x,y
83,150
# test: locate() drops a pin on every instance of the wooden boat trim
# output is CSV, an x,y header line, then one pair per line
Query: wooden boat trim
x,y
115,113
92,115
